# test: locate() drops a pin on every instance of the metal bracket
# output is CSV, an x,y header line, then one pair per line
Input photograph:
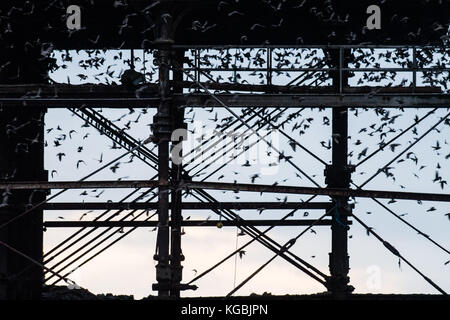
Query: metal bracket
x,y
338,175
162,126
163,272
181,287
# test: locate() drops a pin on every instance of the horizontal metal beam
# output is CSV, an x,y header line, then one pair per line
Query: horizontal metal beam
x,y
246,100
302,46
186,223
150,90
74,102
70,96
317,69
291,89
86,95
185,205
332,192
105,184
351,100
82,91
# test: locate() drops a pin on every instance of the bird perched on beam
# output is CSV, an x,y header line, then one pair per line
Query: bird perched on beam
x,y
130,77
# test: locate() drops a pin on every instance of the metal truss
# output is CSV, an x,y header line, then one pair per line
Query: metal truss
x,y
172,181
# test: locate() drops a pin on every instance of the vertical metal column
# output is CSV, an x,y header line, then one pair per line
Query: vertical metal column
x,y
21,159
176,252
338,175
162,131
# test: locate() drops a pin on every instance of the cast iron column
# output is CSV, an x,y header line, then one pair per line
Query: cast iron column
x,y
338,175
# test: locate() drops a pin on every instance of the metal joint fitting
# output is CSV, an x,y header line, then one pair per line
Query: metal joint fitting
x,y
163,272
338,175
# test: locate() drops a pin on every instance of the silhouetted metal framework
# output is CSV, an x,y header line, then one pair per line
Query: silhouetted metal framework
x,y
27,97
